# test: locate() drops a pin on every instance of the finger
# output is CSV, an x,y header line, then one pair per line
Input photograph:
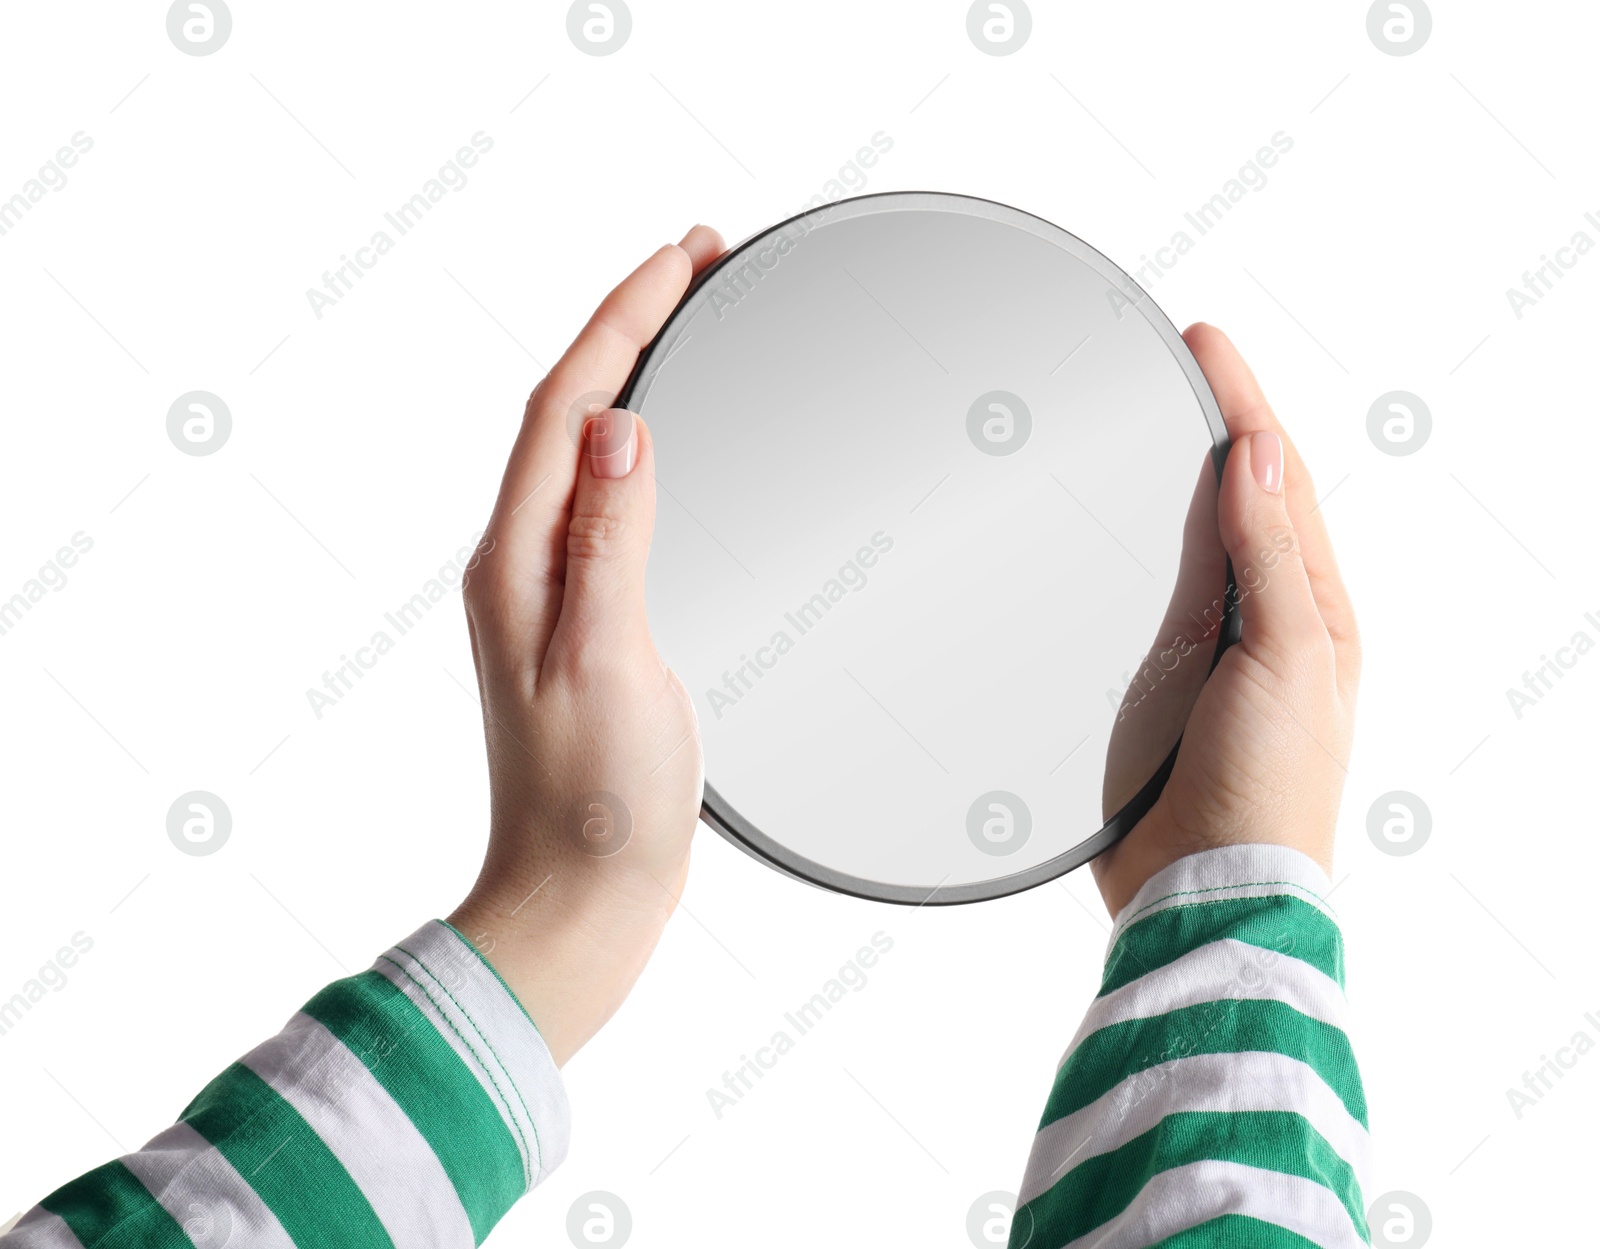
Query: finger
x,y
1246,410
703,244
1163,688
604,353
528,526
1277,609
1202,566
608,538
1195,613
594,368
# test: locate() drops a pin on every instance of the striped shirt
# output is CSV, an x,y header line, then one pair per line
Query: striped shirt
x,y
1209,1099
410,1105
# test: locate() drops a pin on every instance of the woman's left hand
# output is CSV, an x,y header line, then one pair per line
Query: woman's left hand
x,y
595,772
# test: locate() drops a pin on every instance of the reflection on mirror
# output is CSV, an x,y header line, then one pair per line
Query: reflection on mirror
x,y
936,549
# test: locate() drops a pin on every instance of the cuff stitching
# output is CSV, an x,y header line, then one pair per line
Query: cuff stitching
x,y
493,970
1244,884
510,1114
488,1044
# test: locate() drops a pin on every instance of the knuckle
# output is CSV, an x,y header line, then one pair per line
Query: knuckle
x,y
475,585
492,596
479,570
484,599
1260,531
482,582
1298,656
595,538
1235,538
1263,559
1297,637
1352,651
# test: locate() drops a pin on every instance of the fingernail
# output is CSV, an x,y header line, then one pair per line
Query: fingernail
x,y
611,443
686,237
1266,460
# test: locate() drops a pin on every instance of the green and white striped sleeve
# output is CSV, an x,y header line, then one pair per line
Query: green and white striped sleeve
x,y
1211,1098
409,1105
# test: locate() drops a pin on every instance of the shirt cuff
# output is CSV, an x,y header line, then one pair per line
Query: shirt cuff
x,y
1230,873
469,1004
463,1109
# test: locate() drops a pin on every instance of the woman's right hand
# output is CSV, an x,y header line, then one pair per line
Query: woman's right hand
x,y
1263,754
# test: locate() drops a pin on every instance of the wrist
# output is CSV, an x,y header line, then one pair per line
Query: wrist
x,y
1159,841
569,942
1153,845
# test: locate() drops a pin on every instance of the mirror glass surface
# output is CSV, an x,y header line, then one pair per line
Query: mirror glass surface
x,y
924,465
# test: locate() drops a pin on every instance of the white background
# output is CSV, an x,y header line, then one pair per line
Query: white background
x,y
177,657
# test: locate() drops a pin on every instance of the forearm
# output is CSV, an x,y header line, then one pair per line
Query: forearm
x,y
409,1105
1211,1085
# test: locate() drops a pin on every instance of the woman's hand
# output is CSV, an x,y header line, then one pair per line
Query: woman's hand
x,y
595,772
1264,749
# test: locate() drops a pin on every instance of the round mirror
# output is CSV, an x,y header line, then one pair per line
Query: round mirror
x,y
935,548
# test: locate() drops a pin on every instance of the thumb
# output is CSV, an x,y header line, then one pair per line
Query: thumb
x,y
608,535
1276,607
